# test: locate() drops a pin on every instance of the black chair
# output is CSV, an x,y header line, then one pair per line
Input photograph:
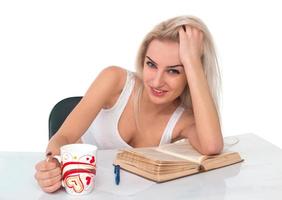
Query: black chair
x,y
59,113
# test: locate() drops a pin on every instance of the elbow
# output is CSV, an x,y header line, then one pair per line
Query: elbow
x,y
212,149
213,145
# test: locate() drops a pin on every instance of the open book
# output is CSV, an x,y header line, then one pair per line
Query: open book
x,y
171,161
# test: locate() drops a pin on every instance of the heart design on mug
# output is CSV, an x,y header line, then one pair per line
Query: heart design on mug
x,y
88,179
75,183
92,160
88,159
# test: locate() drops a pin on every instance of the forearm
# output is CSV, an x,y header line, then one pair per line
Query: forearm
x,y
205,113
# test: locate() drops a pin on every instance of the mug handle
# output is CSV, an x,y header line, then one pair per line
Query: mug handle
x,y
59,159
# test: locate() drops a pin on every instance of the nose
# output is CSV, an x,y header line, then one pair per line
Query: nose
x,y
158,80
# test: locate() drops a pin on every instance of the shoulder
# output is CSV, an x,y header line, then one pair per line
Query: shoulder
x,y
114,74
113,79
107,83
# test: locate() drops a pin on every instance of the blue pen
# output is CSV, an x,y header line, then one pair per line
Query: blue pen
x,y
117,174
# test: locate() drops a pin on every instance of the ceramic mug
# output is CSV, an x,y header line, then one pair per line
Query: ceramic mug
x,y
78,165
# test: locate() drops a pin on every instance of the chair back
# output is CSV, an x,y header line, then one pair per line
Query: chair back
x,y
60,112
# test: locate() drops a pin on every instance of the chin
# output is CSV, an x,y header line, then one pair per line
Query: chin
x,y
158,101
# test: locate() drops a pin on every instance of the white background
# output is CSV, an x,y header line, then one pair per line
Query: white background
x,y
54,49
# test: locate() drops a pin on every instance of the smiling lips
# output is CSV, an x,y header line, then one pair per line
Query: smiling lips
x,y
157,92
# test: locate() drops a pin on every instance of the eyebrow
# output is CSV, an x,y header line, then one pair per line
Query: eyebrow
x,y
172,66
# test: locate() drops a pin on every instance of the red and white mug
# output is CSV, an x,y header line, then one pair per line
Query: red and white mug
x,y
78,164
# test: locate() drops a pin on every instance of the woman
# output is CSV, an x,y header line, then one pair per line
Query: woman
x,y
173,95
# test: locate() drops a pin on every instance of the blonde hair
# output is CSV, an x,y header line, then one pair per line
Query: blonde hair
x,y
168,30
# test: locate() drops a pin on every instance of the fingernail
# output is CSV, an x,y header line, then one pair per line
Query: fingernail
x,y
48,156
49,153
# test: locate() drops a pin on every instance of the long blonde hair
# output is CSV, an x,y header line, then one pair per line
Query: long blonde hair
x,y
168,30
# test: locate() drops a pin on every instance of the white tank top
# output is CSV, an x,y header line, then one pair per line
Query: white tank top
x,y
103,131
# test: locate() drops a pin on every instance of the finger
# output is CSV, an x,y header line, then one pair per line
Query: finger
x,y
184,28
188,30
201,35
46,166
47,174
182,34
197,32
52,188
49,182
201,38
181,30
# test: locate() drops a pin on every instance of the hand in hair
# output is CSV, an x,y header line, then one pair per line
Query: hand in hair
x,y
190,44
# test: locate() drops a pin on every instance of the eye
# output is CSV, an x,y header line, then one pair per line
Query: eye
x,y
150,64
173,71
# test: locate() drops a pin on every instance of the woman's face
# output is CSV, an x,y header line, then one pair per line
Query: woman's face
x,y
163,74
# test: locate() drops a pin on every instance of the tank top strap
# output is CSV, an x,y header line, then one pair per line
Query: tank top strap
x,y
167,134
124,96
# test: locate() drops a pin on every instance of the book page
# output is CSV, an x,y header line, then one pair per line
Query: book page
x,y
182,149
152,154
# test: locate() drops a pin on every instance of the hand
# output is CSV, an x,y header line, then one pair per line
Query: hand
x,y
48,175
190,44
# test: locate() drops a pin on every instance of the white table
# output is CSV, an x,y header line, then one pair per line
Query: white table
x,y
258,177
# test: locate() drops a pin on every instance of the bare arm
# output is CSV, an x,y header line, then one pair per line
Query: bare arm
x,y
205,133
108,82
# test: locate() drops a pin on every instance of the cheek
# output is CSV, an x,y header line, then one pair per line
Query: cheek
x,y
147,75
179,86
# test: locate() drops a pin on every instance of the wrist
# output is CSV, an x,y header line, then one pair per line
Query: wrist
x,y
191,63
55,143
